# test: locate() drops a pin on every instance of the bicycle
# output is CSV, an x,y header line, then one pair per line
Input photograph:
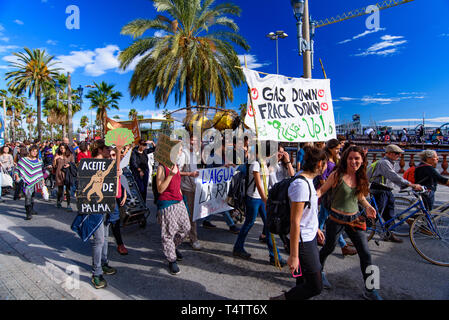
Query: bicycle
x,y
428,232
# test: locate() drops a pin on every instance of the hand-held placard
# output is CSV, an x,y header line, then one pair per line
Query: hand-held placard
x,y
97,183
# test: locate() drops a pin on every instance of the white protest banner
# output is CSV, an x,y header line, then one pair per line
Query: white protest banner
x,y
290,109
211,190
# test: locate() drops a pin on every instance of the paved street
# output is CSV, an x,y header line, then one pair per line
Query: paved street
x,y
35,255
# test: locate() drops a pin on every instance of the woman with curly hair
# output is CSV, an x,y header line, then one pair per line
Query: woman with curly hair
x,y
349,186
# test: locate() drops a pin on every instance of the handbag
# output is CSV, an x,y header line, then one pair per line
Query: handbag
x,y
45,193
6,178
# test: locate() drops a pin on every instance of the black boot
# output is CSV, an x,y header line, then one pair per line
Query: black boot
x,y
28,212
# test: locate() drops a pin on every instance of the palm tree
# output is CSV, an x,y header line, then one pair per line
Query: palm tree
x,y
15,102
132,114
29,114
57,114
103,98
84,121
190,58
34,73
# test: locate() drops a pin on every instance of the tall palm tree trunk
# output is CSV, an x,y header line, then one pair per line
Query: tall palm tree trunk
x,y
188,100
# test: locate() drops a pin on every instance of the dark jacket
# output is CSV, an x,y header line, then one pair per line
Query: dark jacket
x,y
86,224
428,176
71,173
140,160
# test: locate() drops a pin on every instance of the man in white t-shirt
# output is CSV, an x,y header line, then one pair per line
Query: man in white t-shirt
x,y
282,169
187,163
255,205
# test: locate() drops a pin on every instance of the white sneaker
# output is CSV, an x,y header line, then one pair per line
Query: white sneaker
x,y
196,245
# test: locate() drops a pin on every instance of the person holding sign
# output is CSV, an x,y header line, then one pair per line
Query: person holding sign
x,y
100,244
187,163
172,213
114,217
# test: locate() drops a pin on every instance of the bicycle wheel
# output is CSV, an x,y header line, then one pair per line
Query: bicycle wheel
x,y
431,245
401,204
372,227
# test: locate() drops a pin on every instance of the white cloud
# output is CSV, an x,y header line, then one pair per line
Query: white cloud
x,y
105,59
251,61
95,62
384,100
347,99
370,100
52,42
384,48
361,35
427,120
387,37
20,22
7,48
132,65
160,33
3,38
75,60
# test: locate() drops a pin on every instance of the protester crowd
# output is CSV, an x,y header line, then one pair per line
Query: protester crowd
x,y
329,186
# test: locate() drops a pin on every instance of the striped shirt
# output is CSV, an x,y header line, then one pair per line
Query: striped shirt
x,y
30,171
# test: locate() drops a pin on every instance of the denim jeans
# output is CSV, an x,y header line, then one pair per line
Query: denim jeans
x,y
385,204
429,200
358,238
100,249
322,217
226,215
253,207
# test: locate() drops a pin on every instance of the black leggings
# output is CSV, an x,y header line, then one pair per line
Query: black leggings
x,y
61,191
358,238
310,283
116,232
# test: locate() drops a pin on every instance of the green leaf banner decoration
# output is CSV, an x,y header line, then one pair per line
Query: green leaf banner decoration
x,y
119,137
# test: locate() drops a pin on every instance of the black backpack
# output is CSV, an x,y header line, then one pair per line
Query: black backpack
x,y
278,206
237,189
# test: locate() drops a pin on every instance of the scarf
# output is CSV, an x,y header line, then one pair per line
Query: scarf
x,y
30,171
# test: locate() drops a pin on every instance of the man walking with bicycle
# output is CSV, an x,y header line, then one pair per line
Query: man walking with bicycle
x,y
383,178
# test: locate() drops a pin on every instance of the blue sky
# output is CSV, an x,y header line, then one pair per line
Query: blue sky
x,y
393,76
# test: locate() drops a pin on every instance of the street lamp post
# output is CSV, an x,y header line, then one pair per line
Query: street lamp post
x,y
276,36
69,108
4,119
69,103
305,33
92,127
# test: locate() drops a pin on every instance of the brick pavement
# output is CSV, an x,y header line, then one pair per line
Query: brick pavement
x,y
21,280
